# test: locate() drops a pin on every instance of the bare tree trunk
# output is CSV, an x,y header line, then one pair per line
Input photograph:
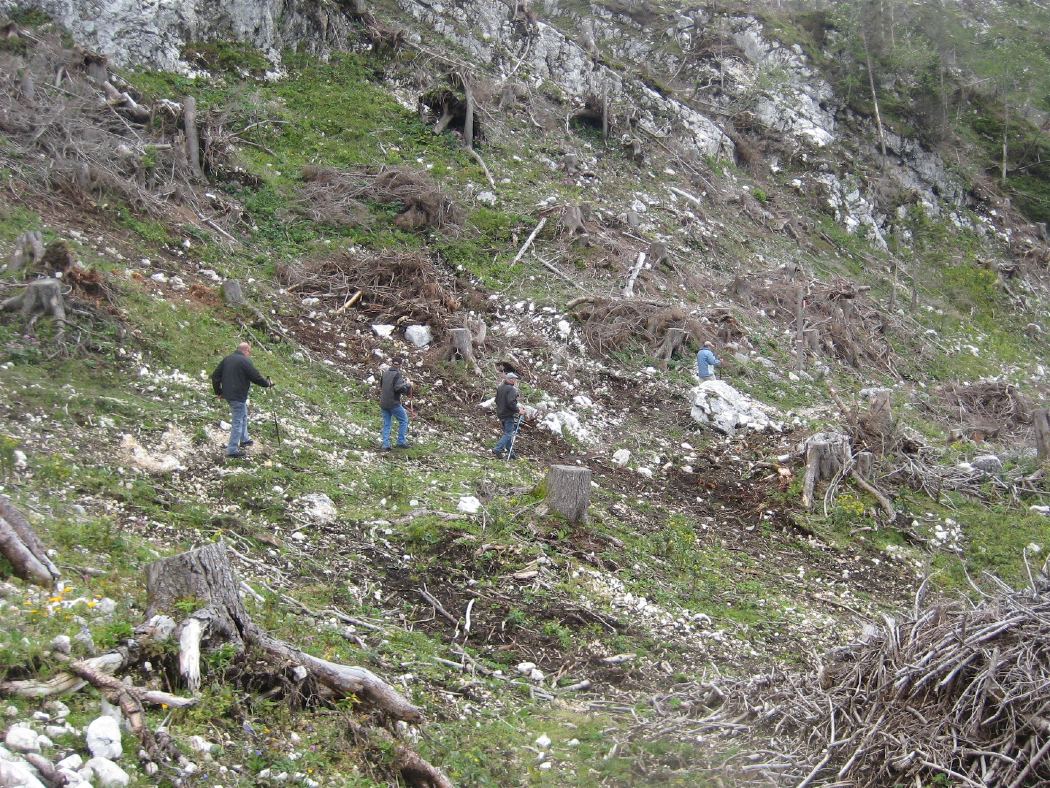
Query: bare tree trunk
x,y
193,150
800,329
632,277
569,491
1041,419
468,120
605,110
1006,124
893,286
874,96
22,548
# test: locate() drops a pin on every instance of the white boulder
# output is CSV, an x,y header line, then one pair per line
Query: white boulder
x,y
22,738
468,504
621,457
719,405
317,508
988,463
18,774
383,330
420,336
103,738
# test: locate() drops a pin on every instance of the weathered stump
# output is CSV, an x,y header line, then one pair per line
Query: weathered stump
x,y
22,548
827,454
29,250
233,293
569,491
40,297
461,347
205,574
673,340
1041,419
193,149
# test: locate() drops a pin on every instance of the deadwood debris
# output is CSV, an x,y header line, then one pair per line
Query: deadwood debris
x,y
952,691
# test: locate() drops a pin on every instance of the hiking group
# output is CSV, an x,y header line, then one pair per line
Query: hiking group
x,y
235,374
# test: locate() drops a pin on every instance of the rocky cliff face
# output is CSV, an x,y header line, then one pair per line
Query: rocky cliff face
x,y
581,52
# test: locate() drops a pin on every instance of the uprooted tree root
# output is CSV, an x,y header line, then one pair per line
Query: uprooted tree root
x,y
610,324
338,198
986,410
954,691
206,576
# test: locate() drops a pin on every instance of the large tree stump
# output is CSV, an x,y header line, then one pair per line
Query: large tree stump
x,y
1041,419
205,575
569,491
22,548
233,293
193,147
673,340
461,346
40,297
827,455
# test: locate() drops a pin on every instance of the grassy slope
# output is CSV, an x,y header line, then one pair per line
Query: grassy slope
x,y
481,729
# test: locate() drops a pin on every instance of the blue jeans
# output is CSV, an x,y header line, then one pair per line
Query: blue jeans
x,y
509,426
238,426
397,412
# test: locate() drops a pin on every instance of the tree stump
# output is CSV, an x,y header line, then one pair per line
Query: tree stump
x,y
462,347
1041,418
569,491
205,575
673,340
22,548
827,454
40,297
29,250
233,293
189,124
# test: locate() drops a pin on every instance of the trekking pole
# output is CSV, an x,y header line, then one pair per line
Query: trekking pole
x,y
273,412
514,435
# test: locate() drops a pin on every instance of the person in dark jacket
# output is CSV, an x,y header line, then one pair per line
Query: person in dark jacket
x,y
507,410
231,380
392,385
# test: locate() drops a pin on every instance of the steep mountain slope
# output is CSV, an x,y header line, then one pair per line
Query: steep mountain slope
x,y
636,170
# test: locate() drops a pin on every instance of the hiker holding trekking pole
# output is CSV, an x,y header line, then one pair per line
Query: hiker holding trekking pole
x,y
392,386
507,411
231,381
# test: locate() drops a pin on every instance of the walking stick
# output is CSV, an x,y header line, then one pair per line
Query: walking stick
x,y
273,412
514,436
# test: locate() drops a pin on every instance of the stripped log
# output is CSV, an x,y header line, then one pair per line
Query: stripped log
x,y
632,277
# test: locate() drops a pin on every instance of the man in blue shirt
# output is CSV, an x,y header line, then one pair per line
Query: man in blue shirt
x,y
706,361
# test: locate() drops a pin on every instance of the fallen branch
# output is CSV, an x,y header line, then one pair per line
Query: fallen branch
x,y
528,241
884,501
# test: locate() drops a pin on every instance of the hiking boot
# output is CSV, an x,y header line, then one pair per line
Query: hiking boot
x,y
384,448
403,446
237,455
247,443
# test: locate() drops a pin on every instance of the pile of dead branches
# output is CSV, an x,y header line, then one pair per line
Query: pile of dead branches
x,y
340,198
955,690
72,126
384,286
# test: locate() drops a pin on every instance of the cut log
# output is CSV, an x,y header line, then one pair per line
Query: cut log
x,y
569,491
205,575
1041,419
528,241
22,548
827,454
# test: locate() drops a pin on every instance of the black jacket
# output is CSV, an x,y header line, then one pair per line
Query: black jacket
x,y
506,401
391,387
234,376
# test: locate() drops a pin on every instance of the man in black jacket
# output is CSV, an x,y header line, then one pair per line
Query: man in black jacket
x,y
507,410
231,380
391,386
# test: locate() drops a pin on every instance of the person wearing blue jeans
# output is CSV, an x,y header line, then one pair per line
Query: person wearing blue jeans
x,y
391,386
507,412
231,381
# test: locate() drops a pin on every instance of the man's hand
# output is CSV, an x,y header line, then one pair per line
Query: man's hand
x,y
269,383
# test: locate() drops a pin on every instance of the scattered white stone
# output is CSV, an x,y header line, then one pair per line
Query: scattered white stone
x,y
646,472
72,762
383,330
318,508
21,738
988,463
1043,510
420,336
543,742
21,461
536,675
103,773
103,739
621,457
18,774
564,328
524,668
159,277
62,644
468,504
487,198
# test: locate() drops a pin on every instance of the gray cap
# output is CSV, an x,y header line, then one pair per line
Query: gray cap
x,y
510,376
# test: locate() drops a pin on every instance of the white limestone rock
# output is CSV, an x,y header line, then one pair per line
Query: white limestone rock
x,y
103,738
